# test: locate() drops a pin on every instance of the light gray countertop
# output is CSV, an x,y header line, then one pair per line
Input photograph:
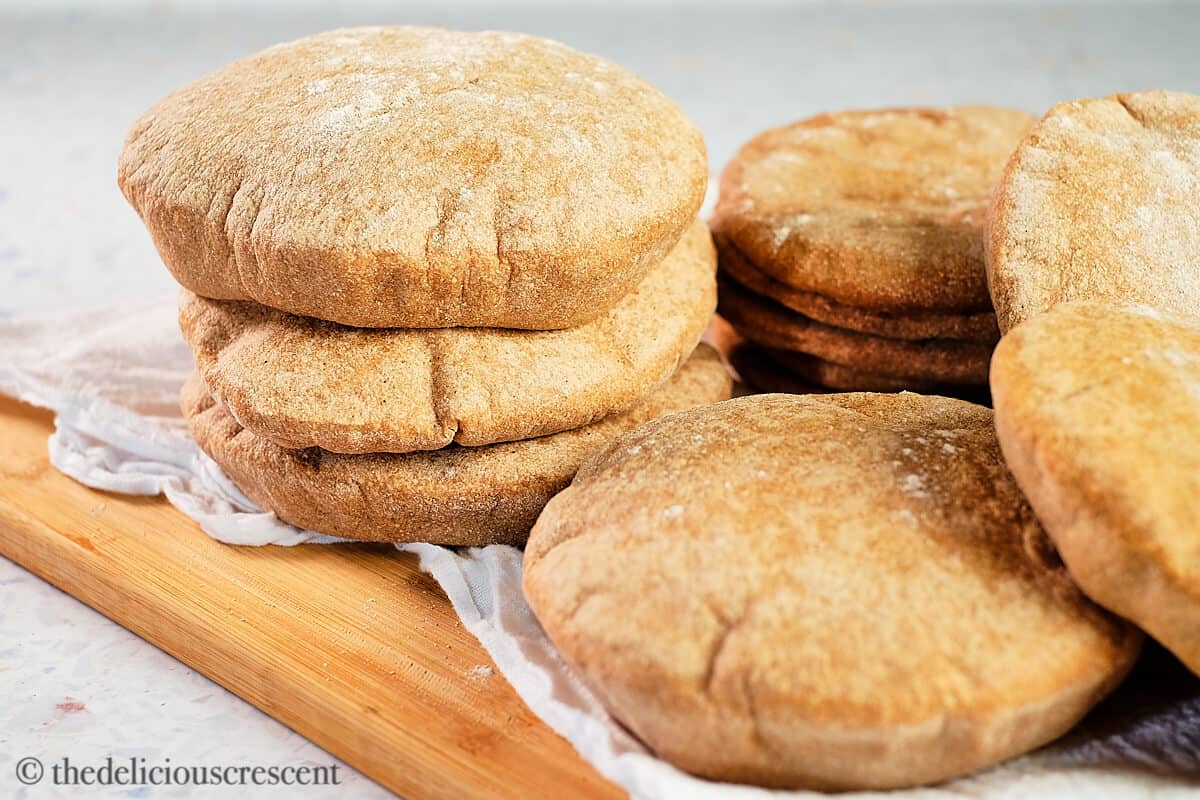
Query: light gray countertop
x,y
72,79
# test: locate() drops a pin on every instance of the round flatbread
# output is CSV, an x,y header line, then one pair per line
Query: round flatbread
x,y
301,382
879,210
980,327
456,496
1100,203
1098,412
417,177
752,620
768,323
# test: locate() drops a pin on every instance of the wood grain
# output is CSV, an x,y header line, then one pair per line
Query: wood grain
x,y
350,645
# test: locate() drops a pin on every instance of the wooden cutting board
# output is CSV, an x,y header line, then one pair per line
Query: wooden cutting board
x,y
350,645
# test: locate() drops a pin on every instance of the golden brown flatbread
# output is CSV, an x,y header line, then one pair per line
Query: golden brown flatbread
x,y
1098,412
301,382
978,327
821,591
882,211
453,496
417,177
768,323
1100,202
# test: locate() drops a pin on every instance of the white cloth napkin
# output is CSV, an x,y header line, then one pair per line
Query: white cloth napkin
x,y
112,377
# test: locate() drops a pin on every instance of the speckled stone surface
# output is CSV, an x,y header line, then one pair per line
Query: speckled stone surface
x,y
71,83
74,684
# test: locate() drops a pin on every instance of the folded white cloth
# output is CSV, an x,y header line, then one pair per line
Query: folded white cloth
x,y
112,377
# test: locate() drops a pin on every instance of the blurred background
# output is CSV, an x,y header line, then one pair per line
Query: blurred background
x,y
73,76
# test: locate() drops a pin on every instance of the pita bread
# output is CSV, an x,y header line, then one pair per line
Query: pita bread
x,y
753,621
416,177
979,327
882,211
455,496
764,321
1100,203
301,382
1098,412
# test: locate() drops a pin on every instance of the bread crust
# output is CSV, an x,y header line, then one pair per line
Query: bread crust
x,y
979,327
457,496
768,323
1098,414
696,573
1099,203
416,177
882,211
305,383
